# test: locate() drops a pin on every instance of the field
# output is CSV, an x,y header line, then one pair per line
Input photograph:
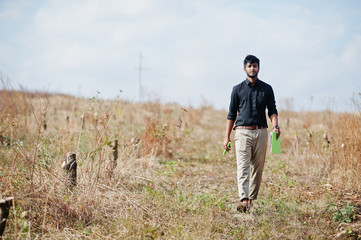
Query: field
x,y
170,179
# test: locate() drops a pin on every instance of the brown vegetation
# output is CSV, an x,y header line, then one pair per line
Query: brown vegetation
x,y
172,180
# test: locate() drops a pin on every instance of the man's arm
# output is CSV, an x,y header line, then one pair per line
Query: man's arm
x,y
274,120
232,115
227,137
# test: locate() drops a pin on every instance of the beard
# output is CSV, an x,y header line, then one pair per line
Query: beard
x,y
252,76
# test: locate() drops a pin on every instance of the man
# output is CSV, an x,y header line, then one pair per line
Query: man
x,y
247,116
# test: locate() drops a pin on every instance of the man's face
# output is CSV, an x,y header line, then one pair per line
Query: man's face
x,y
251,69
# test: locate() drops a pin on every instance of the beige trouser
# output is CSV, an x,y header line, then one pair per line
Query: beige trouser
x,y
251,147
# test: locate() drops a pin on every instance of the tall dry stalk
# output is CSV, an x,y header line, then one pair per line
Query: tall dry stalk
x,y
43,106
346,149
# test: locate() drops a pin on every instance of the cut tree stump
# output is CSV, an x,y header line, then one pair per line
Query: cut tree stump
x,y
70,166
135,142
113,161
115,153
45,125
5,205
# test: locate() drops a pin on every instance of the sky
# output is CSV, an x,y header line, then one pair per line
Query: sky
x,y
191,51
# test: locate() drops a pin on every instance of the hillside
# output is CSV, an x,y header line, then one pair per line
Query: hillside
x,y
170,179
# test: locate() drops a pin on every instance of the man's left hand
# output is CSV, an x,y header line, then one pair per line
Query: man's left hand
x,y
277,131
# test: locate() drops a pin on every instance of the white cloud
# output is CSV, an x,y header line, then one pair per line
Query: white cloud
x,y
352,54
10,10
9,14
191,48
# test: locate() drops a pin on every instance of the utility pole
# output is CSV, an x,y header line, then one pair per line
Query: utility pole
x,y
140,69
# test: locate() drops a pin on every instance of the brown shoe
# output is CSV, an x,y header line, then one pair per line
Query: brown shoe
x,y
244,206
240,208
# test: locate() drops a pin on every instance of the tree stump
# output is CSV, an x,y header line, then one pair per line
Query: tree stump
x,y
115,153
135,142
327,141
5,205
82,121
112,161
45,125
70,166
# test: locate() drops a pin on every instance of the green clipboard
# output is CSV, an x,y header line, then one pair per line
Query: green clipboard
x,y
275,143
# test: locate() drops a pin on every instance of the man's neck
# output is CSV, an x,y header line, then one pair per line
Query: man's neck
x,y
252,80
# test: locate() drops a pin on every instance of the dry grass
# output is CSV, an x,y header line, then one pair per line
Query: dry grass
x,y
176,184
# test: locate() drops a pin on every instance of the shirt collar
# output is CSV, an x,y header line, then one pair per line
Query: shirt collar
x,y
250,84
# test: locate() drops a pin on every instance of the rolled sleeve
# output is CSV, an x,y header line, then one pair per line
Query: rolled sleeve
x,y
233,106
271,103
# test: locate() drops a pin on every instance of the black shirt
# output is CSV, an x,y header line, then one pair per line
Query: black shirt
x,y
250,103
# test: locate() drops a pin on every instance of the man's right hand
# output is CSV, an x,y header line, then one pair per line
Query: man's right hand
x,y
225,143
227,138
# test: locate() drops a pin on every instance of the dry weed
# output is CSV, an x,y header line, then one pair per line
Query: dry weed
x,y
173,181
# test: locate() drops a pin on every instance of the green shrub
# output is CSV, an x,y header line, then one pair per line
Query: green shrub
x,y
345,214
